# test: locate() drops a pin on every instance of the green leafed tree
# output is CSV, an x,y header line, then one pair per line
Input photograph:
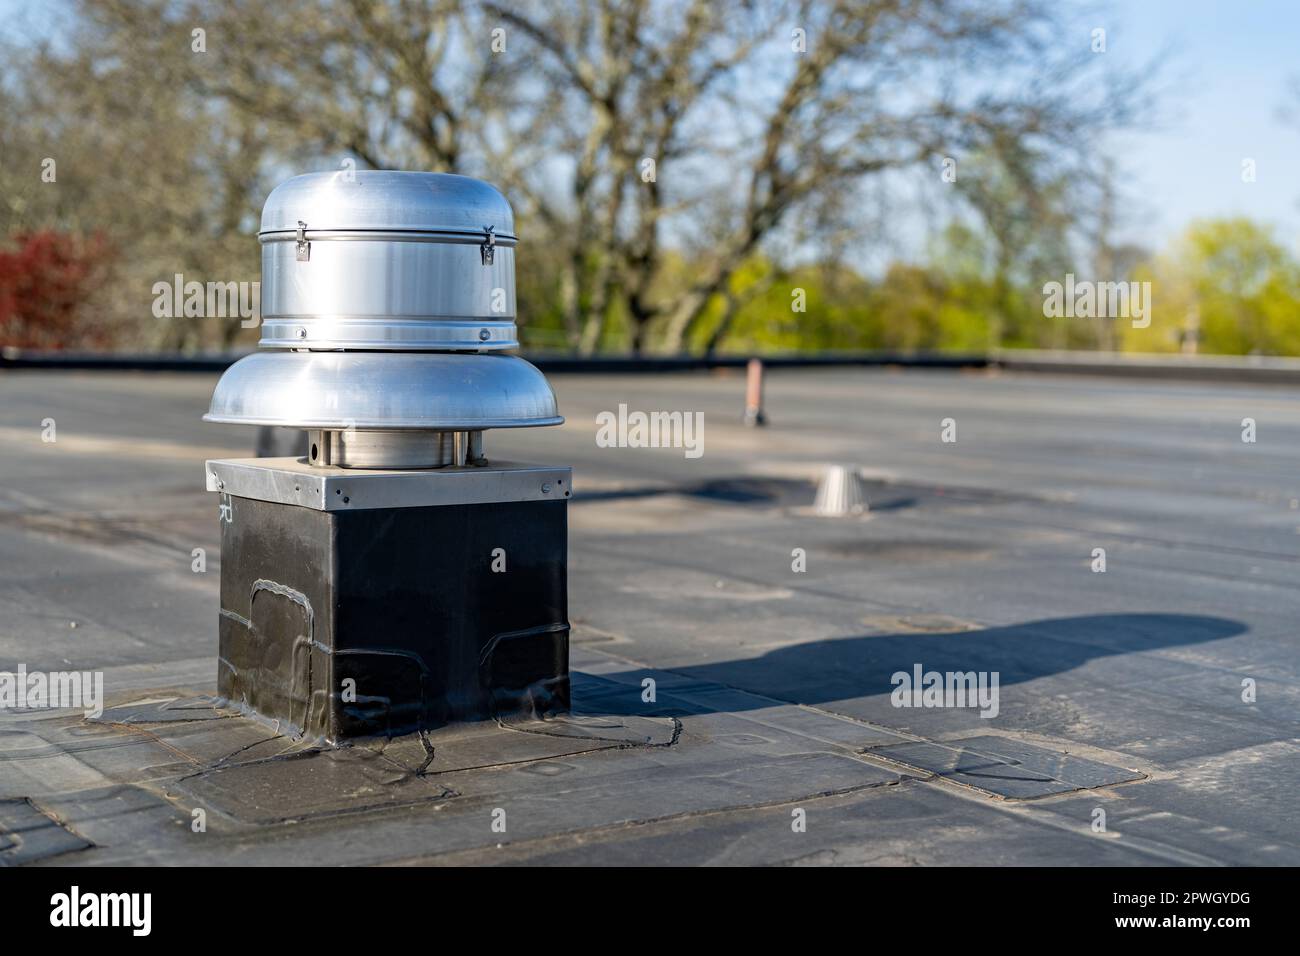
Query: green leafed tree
x,y
1226,286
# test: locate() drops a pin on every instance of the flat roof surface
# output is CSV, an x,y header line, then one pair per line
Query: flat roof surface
x,y
1124,696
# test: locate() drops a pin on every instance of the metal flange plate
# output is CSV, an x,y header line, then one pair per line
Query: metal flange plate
x,y
292,481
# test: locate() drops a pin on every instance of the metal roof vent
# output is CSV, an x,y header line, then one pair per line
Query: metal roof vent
x,y
382,292
392,580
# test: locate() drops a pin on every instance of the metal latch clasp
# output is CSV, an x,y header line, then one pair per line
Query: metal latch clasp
x,y
489,246
304,247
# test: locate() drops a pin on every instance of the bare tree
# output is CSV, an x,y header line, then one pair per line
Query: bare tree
x,y
652,147
166,182
751,111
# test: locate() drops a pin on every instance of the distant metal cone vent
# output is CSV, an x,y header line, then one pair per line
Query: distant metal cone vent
x,y
840,493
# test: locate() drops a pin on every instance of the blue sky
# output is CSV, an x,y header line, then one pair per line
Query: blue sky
x,y
1223,86
1224,70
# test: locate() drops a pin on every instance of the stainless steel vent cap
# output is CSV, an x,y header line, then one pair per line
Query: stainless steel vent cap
x,y
436,391
387,201
362,259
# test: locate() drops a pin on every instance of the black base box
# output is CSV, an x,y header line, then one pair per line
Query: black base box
x,y
386,621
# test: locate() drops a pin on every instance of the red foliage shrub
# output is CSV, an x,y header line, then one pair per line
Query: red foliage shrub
x,y
46,280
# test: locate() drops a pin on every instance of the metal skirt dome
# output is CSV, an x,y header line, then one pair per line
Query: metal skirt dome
x,y
432,391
